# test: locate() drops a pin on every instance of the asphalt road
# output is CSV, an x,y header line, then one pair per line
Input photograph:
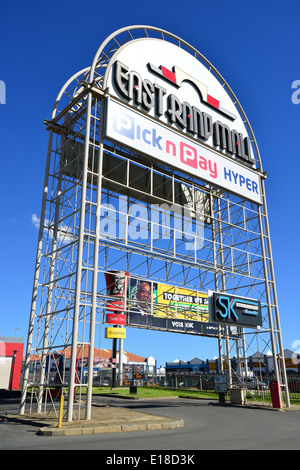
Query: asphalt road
x,y
207,427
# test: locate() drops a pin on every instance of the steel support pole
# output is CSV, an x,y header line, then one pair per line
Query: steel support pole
x,y
121,361
220,350
49,297
95,277
79,261
245,353
269,303
283,368
36,279
114,356
223,285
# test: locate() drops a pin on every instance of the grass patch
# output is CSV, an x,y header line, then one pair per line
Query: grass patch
x,y
155,392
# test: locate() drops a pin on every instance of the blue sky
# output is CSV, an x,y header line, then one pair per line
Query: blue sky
x,y
254,45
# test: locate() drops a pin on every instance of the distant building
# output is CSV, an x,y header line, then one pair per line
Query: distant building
x,y
256,364
11,353
59,361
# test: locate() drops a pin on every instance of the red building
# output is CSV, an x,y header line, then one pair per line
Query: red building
x,y
11,355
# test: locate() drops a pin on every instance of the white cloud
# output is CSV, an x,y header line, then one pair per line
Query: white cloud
x,y
35,220
64,233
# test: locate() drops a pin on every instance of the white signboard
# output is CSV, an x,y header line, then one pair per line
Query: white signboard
x,y
129,127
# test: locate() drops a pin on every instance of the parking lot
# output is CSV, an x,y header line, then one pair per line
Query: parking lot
x,y
207,426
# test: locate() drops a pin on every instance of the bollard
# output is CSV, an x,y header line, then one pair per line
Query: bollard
x,y
61,411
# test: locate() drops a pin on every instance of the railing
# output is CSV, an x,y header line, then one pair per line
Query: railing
x,y
257,390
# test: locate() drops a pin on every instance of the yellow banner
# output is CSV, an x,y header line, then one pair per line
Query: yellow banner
x,y
177,302
113,333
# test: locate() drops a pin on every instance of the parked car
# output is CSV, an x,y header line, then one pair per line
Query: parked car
x,y
252,383
105,383
255,384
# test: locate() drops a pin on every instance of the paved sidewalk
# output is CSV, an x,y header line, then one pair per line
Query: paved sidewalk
x,y
104,419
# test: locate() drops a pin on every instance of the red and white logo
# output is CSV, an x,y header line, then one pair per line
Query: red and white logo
x,y
177,76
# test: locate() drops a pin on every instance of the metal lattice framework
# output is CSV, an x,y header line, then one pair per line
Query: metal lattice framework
x,y
90,182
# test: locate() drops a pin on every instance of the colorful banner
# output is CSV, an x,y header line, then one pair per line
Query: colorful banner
x,y
116,285
141,133
180,303
164,301
142,295
133,375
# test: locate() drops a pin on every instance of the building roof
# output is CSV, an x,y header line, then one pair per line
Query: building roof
x,y
12,339
83,353
134,357
196,360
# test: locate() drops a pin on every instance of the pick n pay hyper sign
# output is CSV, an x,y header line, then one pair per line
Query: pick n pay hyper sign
x,y
142,133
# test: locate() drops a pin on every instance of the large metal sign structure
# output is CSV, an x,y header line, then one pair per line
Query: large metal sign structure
x,y
152,170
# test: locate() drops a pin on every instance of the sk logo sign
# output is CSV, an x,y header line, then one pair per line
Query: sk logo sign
x,y
225,308
236,310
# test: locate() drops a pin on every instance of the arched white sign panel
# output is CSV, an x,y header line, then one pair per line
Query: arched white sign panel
x,y
172,108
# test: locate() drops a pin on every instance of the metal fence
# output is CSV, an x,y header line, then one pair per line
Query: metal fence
x,y
257,387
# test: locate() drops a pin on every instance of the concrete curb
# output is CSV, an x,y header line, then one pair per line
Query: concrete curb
x,y
103,429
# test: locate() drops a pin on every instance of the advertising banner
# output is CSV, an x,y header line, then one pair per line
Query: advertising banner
x,y
142,296
115,333
133,375
141,133
220,382
180,303
235,310
116,318
157,306
116,285
165,301
163,307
